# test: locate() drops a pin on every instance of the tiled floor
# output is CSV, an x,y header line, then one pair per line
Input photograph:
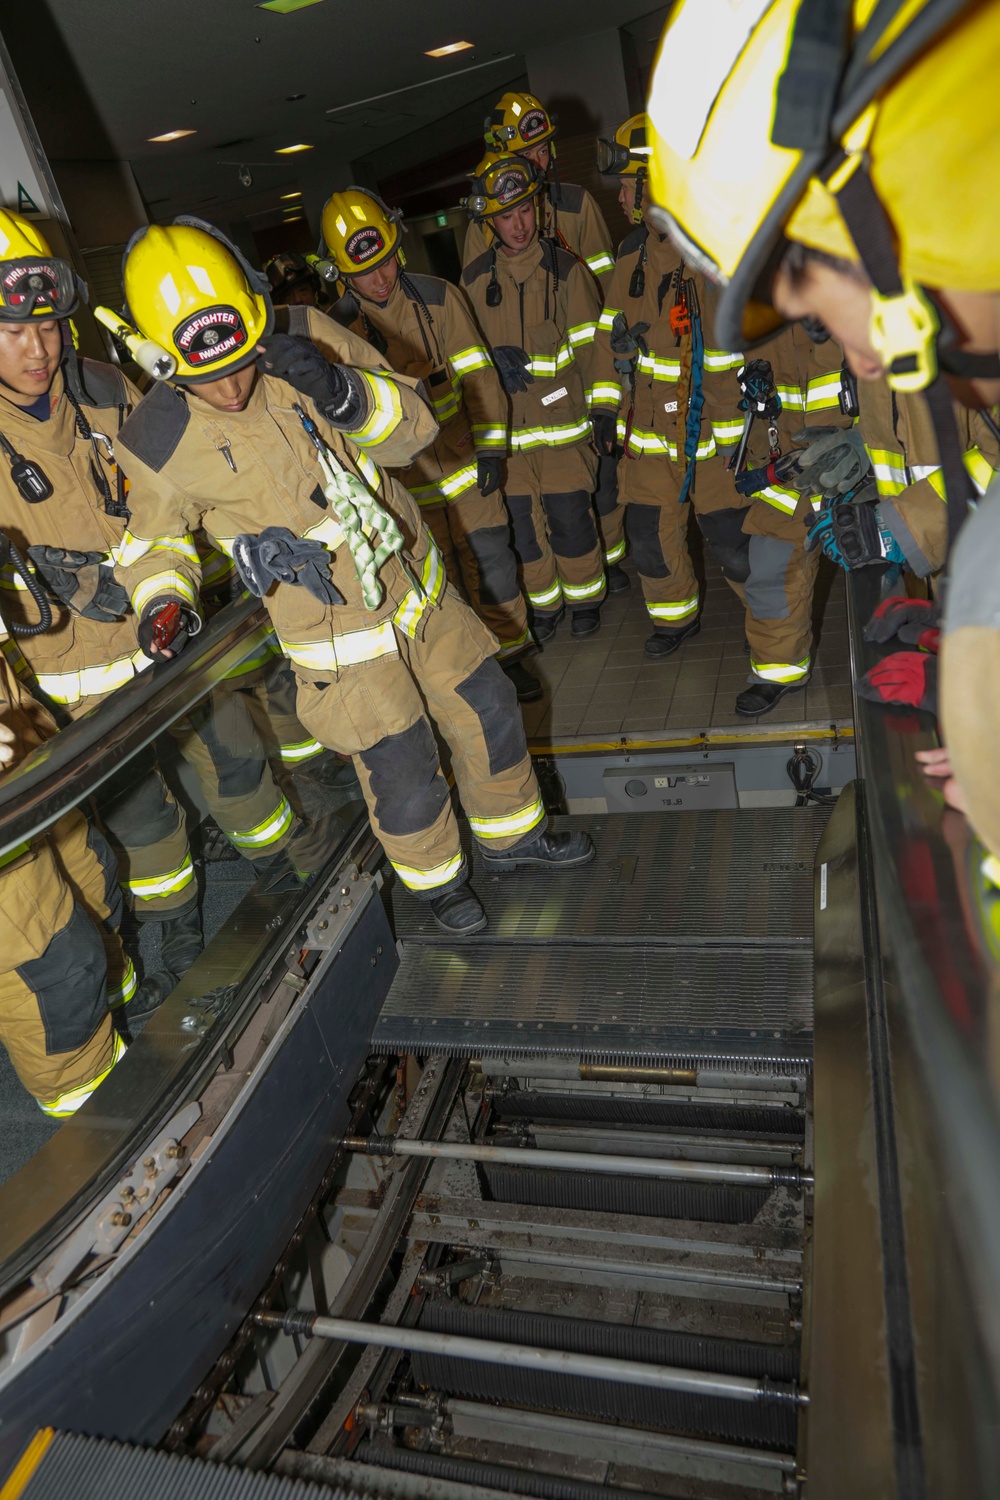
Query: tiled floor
x,y
605,687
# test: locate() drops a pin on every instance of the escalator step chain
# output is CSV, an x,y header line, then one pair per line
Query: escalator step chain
x,y
606,1193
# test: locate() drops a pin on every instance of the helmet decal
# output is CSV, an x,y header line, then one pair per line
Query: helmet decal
x,y
363,244
28,282
210,335
532,123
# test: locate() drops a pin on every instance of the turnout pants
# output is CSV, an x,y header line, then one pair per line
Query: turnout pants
x,y
384,714
657,522
610,510
148,831
64,965
550,499
779,592
473,535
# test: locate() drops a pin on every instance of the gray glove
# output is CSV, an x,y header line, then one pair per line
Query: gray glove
x,y
83,581
277,555
834,460
627,343
512,366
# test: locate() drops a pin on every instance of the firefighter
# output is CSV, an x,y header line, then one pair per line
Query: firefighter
x,y
64,968
280,466
678,408
294,281
521,126
538,307
59,420
423,327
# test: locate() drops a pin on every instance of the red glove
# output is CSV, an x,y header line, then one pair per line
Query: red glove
x,y
906,679
904,617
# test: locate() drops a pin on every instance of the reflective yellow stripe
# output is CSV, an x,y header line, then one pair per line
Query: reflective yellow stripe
x,y
166,584
294,754
782,499
12,854
549,437
456,484
607,318
467,360
433,580
604,391
791,397
546,597
722,359
163,885
579,591
678,610
131,548
778,671
600,264
69,1103
261,657
489,437
980,470
445,406
581,333
268,831
545,366
823,391
504,828
615,552
507,648
428,880
386,413
660,369
122,993
348,650
89,682
727,431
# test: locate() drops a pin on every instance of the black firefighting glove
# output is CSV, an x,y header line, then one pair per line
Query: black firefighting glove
x,y
83,581
335,390
489,467
512,367
833,461
190,624
277,555
604,425
906,679
917,622
627,343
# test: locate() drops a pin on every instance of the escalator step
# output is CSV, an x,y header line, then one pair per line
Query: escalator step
x,y
768,1423
611,1193
700,1119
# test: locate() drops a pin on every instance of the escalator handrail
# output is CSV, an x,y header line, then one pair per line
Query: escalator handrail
x,y
70,767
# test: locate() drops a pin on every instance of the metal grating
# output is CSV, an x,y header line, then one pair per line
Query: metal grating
x,y
483,998
741,877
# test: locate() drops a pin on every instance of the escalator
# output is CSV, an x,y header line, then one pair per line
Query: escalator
x,y
676,1181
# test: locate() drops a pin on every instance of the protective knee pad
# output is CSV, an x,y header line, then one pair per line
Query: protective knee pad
x,y
406,780
642,526
490,694
525,540
727,541
572,528
68,982
765,587
606,494
490,546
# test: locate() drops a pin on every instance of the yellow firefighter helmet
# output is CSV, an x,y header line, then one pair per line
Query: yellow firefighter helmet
x,y
34,283
360,231
190,290
773,120
627,156
500,182
518,122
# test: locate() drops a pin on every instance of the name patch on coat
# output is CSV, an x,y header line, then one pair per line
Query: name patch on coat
x,y
555,396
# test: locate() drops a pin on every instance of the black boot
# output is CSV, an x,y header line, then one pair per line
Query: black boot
x,y
664,642
585,622
544,627
181,941
760,697
618,579
458,912
550,851
528,688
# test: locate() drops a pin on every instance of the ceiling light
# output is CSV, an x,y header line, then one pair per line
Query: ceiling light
x,y
289,150
296,194
296,220
171,135
447,51
283,7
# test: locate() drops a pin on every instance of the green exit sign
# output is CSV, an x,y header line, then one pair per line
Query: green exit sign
x,y
442,221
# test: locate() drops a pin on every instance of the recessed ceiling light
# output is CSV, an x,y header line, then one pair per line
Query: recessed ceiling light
x,y
296,220
296,194
449,49
171,135
289,150
284,6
